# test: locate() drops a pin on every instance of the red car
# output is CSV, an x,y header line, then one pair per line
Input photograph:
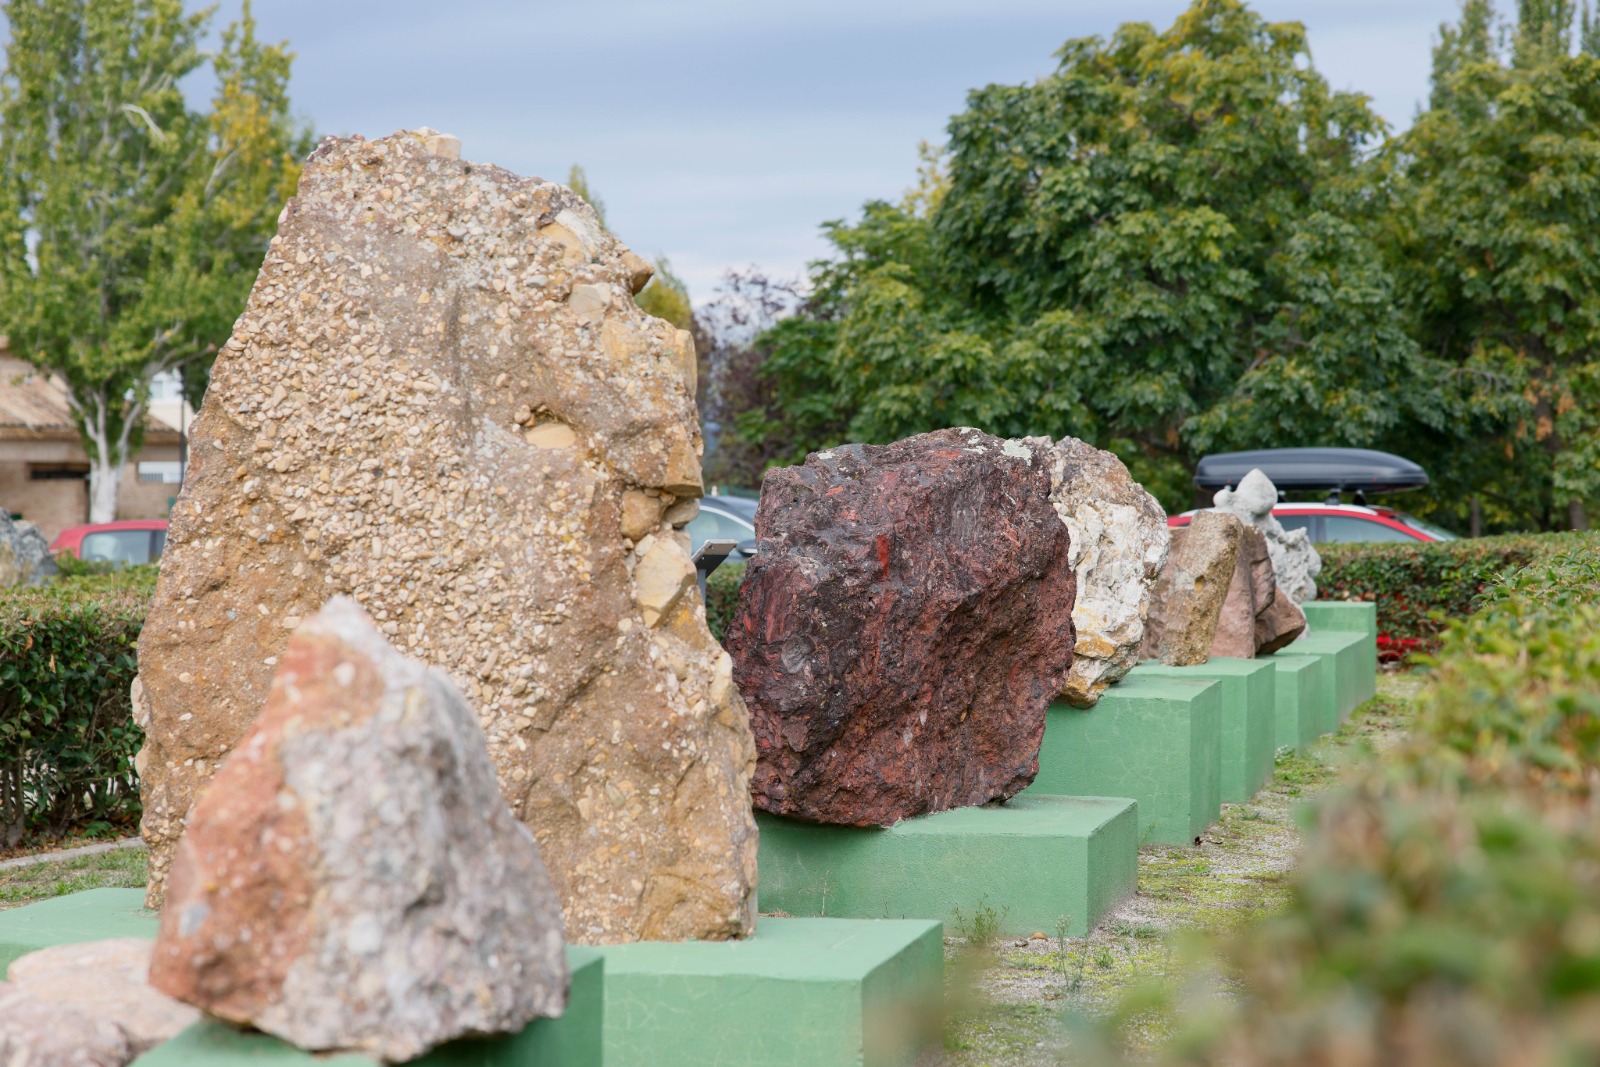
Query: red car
x,y
127,541
1327,523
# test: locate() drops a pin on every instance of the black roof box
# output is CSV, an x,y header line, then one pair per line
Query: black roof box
x,y
1350,469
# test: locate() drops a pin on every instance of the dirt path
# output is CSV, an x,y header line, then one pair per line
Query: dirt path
x,y
1007,1003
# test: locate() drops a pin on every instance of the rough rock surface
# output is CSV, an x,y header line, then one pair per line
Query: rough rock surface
x,y
1119,545
107,980
1294,557
442,401
24,553
903,627
1188,599
35,1032
1256,618
351,878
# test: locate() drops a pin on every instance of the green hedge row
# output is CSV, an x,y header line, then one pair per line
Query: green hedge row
x,y
67,738
1419,588
722,596
1447,906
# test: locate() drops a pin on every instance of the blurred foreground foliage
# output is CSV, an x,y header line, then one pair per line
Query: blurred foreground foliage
x,y
1447,906
68,654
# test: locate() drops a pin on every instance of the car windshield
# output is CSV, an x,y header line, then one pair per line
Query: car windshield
x,y
713,523
117,546
1438,533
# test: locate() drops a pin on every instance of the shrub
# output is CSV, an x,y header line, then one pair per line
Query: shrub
x,y
1419,587
1447,906
722,596
67,737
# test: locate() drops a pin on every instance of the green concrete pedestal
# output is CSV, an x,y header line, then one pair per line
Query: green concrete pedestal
x,y
1354,657
574,1040
800,993
1356,616
1155,739
1304,698
1032,859
1249,718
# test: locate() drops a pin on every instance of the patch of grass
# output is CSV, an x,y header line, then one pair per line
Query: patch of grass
x,y
121,868
983,926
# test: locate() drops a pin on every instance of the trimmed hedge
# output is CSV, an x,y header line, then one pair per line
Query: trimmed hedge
x,y
67,737
1419,588
1447,906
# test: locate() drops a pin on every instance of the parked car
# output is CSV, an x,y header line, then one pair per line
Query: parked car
x,y
1333,523
127,541
1335,471
723,517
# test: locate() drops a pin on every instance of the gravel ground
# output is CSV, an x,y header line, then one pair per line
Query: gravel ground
x,y
1007,1000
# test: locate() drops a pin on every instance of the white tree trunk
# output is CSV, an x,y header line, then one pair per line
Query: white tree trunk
x,y
105,478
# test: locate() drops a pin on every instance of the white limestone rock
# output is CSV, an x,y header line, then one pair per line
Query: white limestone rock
x,y
1119,545
1294,559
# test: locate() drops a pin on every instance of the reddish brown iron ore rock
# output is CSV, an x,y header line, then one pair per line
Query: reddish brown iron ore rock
x,y
905,623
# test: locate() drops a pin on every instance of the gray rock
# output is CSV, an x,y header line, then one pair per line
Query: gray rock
x,y
352,879
1294,559
1119,545
24,553
40,1033
107,980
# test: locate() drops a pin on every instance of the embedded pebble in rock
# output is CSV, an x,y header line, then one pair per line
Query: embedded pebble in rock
x,y
442,401
1187,603
107,980
1295,561
24,554
351,878
1256,618
1119,545
903,627
35,1032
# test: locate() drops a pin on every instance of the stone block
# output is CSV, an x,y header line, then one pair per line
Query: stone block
x,y
1304,699
1249,718
573,1040
1154,739
97,914
800,993
1031,859
1354,657
1347,615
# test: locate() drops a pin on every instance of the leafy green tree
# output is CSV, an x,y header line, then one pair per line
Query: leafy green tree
x,y
1162,248
130,226
1495,201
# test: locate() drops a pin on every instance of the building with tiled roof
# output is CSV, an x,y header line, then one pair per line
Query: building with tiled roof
x,y
44,471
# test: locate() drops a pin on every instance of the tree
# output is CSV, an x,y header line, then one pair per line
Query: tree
x,y
1495,203
130,226
1163,247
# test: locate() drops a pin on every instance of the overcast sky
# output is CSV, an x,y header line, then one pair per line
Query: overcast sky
x,y
722,133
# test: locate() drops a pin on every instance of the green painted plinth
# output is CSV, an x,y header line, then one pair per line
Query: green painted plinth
x,y
1304,698
1357,615
574,1040
1354,656
1032,860
1348,615
1155,739
97,914
800,993
1249,718
93,915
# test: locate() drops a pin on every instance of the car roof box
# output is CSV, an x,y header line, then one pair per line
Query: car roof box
x,y
1361,470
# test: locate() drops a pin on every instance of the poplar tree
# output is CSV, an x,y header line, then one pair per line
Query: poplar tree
x,y
131,226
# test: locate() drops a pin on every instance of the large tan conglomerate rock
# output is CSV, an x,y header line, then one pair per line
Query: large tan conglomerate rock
x,y
442,401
